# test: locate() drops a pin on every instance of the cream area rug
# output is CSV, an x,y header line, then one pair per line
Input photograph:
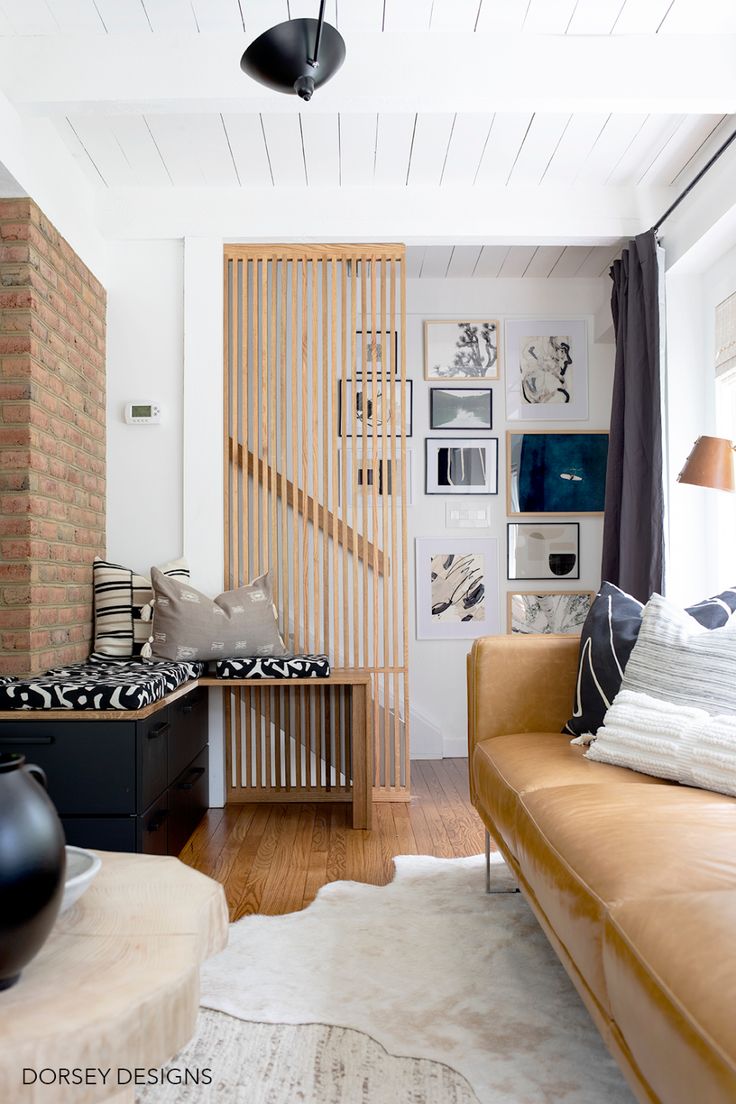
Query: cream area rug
x,y
428,968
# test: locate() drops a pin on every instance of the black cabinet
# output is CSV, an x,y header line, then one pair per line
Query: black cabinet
x,y
127,784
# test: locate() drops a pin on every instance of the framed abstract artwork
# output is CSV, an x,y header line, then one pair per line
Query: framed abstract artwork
x,y
463,352
377,351
469,408
376,405
548,612
556,471
543,550
546,370
363,470
457,587
461,465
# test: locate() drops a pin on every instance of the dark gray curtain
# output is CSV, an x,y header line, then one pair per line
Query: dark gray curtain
x,y
633,529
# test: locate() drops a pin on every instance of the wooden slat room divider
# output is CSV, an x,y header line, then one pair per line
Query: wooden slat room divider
x,y
316,415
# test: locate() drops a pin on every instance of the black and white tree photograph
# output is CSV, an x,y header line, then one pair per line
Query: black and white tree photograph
x,y
461,351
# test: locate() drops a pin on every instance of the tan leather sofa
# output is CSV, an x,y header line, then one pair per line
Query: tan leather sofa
x,y
632,879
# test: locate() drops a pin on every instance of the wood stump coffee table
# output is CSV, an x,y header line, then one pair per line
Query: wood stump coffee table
x,y
116,985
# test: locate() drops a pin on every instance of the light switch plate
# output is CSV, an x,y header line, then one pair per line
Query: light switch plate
x,y
467,517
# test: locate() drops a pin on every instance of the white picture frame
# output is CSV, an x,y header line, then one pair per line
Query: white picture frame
x,y
449,571
461,465
461,351
546,369
353,458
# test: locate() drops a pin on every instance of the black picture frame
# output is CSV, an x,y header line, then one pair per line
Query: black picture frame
x,y
541,525
365,383
366,372
490,442
475,430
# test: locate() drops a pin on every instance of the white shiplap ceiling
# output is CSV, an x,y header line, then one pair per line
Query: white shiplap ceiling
x,y
540,131
554,17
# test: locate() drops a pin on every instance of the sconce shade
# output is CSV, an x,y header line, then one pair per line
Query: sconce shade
x,y
710,464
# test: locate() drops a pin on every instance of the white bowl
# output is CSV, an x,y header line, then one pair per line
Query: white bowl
x,y
82,867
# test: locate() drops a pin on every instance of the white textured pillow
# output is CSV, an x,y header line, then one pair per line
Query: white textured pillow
x,y
681,743
677,660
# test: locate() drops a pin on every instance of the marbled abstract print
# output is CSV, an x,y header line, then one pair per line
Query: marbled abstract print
x,y
545,366
457,587
549,613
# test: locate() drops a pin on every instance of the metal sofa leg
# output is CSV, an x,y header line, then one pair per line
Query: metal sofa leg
x,y
488,861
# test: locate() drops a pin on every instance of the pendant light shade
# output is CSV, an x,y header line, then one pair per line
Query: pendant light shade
x,y
296,56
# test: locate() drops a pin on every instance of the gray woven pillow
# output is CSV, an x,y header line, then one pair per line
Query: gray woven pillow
x,y
189,625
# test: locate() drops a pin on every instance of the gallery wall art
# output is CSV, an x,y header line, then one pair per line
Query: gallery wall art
x,y
457,587
543,550
374,404
466,408
546,370
378,352
364,471
461,465
556,472
548,612
461,351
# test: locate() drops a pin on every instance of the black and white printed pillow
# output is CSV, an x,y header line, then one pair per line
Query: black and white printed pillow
x,y
123,607
606,642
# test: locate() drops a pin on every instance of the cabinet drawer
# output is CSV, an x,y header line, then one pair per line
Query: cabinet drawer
x,y
153,828
90,765
189,722
153,744
188,801
102,833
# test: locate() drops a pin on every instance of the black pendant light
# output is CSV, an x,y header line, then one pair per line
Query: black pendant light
x,y
296,56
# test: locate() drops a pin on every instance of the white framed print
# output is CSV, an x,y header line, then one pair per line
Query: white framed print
x,y
546,370
461,351
456,587
374,405
461,465
366,470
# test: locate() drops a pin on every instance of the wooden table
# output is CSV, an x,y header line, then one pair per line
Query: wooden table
x,y
361,727
116,986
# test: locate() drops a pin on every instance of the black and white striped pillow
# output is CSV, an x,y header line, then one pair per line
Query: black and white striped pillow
x,y
609,634
123,608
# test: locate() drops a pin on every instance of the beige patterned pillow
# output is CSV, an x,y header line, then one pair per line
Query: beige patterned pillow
x,y
188,625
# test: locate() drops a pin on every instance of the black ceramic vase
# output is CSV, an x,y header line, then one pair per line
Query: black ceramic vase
x,y
32,865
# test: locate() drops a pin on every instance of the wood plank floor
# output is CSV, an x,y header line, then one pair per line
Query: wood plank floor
x,y
273,858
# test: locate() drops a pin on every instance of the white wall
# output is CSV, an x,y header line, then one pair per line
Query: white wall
x,y
145,351
437,669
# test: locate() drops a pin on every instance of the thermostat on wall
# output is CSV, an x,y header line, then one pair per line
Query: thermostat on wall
x,y
142,413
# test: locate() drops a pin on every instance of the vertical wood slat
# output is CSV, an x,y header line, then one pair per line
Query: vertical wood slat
x,y
306,545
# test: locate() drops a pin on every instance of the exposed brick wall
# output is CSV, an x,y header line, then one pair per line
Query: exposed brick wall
x,y
52,442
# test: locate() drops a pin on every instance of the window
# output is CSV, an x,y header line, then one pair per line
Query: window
x,y
726,427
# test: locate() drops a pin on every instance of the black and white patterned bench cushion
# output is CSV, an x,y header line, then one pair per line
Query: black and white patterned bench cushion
x,y
100,683
273,667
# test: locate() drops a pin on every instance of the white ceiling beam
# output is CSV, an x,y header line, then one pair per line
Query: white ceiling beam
x,y
456,216
74,74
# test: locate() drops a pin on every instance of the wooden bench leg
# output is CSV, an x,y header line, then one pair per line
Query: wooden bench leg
x,y
361,726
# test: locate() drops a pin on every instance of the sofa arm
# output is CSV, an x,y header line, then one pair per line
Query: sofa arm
x,y
519,684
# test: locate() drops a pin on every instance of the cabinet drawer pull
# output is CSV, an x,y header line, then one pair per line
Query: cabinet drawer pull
x,y
13,741
158,821
194,775
158,730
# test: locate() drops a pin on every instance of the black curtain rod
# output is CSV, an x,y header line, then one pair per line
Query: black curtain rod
x,y
695,180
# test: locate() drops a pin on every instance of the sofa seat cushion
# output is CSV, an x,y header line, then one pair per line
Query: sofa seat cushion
x,y
671,982
584,849
508,766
